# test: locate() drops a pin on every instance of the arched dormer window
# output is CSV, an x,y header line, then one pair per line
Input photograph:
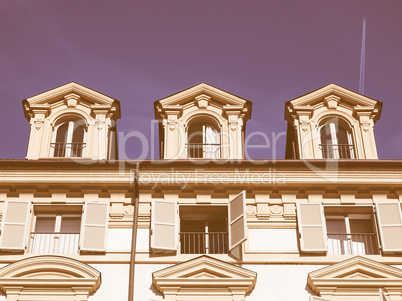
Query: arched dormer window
x,y
336,140
203,141
69,138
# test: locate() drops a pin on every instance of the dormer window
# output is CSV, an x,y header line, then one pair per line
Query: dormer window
x,y
72,121
202,122
336,140
203,141
69,139
332,123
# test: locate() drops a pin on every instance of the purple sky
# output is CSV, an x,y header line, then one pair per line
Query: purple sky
x,y
140,51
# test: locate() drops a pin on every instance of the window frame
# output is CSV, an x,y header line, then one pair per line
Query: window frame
x,y
57,213
214,149
207,232
346,218
334,123
69,138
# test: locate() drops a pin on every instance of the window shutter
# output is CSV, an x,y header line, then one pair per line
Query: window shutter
x,y
164,225
94,227
15,225
237,220
390,225
311,224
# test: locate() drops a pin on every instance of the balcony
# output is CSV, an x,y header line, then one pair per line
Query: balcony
x,y
54,243
203,150
62,149
337,151
203,243
352,244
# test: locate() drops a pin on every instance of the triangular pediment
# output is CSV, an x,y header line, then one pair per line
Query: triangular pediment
x,y
203,274
346,95
358,265
353,271
70,95
204,266
86,94
332,96
217,95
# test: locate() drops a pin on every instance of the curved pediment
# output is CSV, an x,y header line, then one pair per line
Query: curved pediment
x,y
49,271
204,273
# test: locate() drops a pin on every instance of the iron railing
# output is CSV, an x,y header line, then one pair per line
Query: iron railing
x,y
54,243
62,149
352,244
204,243
203,150
337,151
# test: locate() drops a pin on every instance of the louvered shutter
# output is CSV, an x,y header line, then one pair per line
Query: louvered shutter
x,y
237,220
164,225
311,224
15,225
390,226
94,227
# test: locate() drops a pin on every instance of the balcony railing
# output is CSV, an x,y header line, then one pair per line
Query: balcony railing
x,y
54,243
352,244
62,149
203,150
337,151
203,243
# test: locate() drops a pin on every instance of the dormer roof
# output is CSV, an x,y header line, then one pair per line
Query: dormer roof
x,y
90,97
343,96
217,96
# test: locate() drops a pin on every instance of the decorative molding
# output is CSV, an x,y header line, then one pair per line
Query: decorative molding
x,y
117,211
68,278
72,100
129,209
289,211
251,210
349,278
332,101
202,101
204,277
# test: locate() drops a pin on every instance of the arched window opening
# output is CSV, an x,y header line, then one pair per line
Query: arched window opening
x,y
336,141
69,139
203,141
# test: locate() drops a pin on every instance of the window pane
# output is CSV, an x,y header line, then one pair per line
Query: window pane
x,y
78,134
361,226
325,134
336,226
342,136
70,225
62,133
45,224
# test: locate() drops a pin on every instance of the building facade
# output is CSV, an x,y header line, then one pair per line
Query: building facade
x,y
323,224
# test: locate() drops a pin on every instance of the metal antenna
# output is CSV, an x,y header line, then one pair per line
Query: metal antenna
x,y
362,58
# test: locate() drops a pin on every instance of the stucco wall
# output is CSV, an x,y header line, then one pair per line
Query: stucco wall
x,y
272,240
281,282
114,282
